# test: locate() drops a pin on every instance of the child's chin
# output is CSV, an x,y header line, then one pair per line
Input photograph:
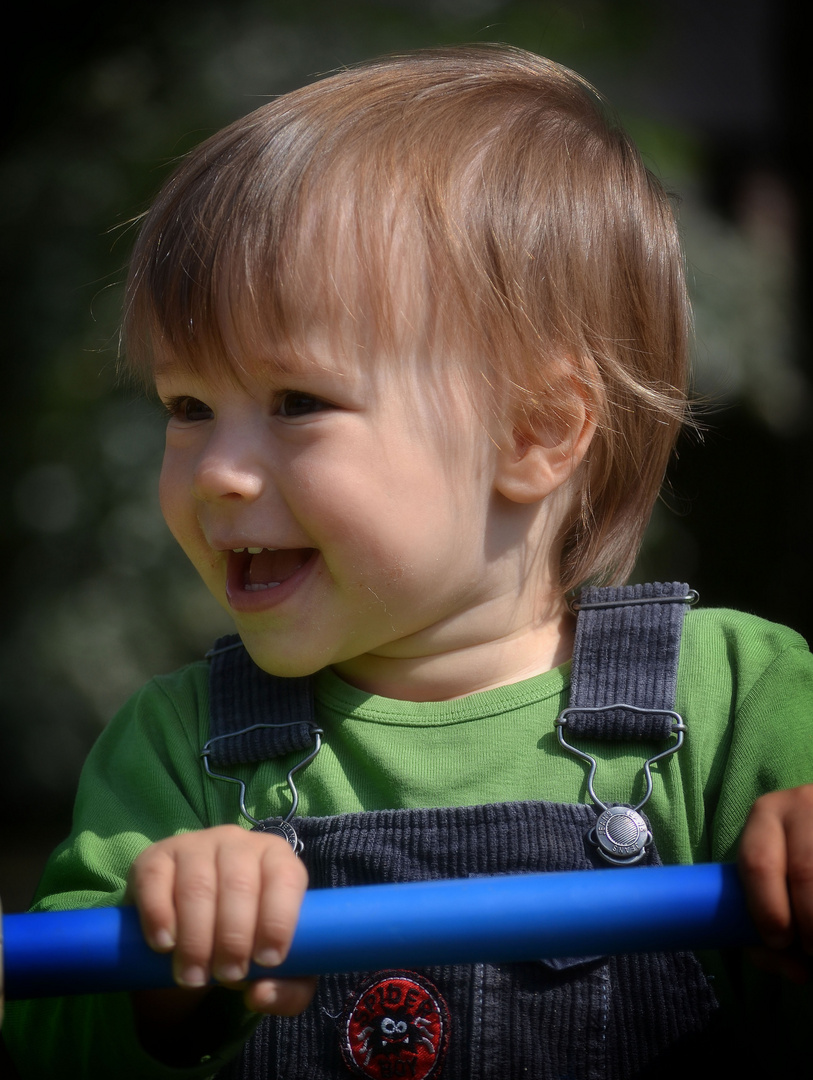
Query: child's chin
x,y
277,658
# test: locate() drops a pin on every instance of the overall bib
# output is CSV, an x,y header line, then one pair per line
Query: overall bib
x,y
581,1018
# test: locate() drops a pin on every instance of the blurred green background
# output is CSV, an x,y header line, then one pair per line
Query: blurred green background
x,y
101,100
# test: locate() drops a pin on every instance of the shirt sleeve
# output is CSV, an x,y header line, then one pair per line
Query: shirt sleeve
x,y
771,745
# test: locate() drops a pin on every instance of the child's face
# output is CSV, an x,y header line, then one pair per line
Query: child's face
x,y
342,518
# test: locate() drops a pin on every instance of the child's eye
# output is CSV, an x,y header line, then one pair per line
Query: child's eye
x,y
297,403
188,409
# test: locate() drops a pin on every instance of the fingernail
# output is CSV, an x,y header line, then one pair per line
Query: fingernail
x,y
266,994
268,957
192,977
163,940
230,973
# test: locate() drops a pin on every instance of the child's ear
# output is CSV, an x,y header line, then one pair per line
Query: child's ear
x,y
541,453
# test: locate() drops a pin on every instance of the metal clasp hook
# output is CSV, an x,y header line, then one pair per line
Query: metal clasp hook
x,y
678,729
281,826
621,834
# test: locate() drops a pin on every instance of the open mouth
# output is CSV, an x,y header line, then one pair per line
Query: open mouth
x,y
258,569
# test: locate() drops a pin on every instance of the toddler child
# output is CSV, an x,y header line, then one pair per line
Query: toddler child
x,y
421,333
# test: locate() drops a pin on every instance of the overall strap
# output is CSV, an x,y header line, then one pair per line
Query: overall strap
x,y
624,676
254,716
626,653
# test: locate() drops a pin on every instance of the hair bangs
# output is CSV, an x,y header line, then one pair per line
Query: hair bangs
x,y
248,254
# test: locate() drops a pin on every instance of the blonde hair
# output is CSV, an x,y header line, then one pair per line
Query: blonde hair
x,y
487,183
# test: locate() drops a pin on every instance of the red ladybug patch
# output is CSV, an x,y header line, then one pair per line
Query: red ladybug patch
x,y
396,1024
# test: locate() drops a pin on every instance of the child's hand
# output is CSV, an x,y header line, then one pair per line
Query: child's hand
x,y
219,898
776,867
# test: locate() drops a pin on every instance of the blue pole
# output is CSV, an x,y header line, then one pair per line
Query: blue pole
x,y
500,919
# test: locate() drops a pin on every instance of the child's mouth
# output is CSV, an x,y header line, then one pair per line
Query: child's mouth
x,y
258,569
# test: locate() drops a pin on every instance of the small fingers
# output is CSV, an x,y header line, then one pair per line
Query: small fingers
x,y
799,832
252,886
776,867
219,898
151,886
196,899
284,881
763,870
239,892
261,885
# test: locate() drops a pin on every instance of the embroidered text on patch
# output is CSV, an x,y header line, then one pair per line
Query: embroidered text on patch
x,y
396,1024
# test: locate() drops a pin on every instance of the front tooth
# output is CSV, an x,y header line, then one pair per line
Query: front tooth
x,y
254,551
238,551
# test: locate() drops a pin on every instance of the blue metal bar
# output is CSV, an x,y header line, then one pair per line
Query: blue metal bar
x,y
500,919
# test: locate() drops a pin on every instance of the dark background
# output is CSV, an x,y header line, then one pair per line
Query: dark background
x,y
99,101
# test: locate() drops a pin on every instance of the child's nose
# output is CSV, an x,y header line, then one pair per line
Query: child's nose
x,y
227,468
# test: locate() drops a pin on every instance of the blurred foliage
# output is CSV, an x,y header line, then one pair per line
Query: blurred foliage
x,y
97,599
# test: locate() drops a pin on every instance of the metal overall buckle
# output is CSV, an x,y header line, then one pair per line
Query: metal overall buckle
x,y
280,826
621,834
